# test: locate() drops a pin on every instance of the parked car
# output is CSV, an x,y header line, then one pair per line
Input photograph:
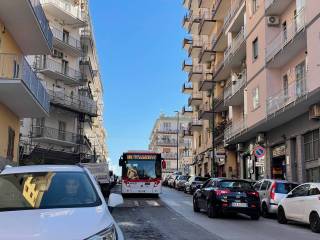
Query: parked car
x,y
180,181
52,201
218,196
302,204
194,183
171,181
271,192
165,180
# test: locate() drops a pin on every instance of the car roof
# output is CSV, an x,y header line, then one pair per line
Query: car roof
x,y
278,180
42,168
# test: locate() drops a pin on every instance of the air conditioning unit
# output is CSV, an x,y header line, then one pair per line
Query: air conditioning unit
x,y
260,138
57,54
240,147
314,112
273,20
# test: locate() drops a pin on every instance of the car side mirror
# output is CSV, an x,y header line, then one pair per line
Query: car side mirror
x,y
290,195
114,200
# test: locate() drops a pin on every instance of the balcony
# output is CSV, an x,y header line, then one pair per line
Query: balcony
x,y
27,23
187,111
54,136
86,69
65,11
196,73
207,83
196,125
219,104
166,143
233,93
206,112
86,37
276,7
187,88
186,133
234,19
195,100
186,44
288,96
20,89
187,3
207,22
219,132
66,42
169,156
238,49
186,22
221,8
220,41
235,128
55,70
195,48
79,103
187,67
288,43
206,54
206,3
194,23
164,130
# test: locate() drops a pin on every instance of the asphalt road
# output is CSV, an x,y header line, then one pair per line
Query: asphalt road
x,y
171,217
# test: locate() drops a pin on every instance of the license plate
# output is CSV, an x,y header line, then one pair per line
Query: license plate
x,y
236,204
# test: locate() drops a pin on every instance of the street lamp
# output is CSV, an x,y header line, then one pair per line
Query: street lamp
x,y
178,114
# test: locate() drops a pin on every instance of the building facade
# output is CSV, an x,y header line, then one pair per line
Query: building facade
x,y
22,94
73,131
265,67
171,137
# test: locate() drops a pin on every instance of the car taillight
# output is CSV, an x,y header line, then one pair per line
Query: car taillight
x,y
256,194
273,190
222,192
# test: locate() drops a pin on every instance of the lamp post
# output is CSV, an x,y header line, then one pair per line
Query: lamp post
x,y
178,115
213,162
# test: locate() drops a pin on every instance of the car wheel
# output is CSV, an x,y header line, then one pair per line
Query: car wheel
x,y
281,216
195,205
264,210
211,211
255,216
314,222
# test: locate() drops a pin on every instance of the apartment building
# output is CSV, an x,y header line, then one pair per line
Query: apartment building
x,y
22,94
266,67
73,132
208,78
171,137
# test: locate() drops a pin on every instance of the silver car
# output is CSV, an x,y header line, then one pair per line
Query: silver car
x,y
271,192
180,182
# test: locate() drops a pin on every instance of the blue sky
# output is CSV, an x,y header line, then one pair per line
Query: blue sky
x,y
140,50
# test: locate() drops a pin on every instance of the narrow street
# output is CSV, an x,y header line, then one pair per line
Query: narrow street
x,y
172,217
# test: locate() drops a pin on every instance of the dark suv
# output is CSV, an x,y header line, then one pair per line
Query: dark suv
x,y
220,195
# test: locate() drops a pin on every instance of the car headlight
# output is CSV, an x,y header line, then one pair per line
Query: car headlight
x,y
109,233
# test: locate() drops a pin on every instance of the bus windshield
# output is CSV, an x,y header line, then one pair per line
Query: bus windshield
x,y
142,169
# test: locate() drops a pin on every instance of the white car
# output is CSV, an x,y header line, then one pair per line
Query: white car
x,y
54,202
302,204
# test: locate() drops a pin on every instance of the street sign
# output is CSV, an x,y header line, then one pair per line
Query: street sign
x,y
259,151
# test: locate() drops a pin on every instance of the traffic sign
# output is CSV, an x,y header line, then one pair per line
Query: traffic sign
x,y
259,151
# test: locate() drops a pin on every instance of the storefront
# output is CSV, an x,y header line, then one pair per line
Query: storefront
x,y
253,165
278,162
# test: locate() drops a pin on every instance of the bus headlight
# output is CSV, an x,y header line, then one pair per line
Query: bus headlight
x,y
109,233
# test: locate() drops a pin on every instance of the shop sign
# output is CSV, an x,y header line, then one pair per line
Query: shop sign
x,y
279,151
259,152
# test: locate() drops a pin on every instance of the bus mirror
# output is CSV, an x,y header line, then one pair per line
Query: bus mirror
x,y
121,162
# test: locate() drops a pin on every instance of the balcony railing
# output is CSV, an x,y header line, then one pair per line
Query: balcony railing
x,y
231,13
206,14
16,67
170,155
166,143
42,20
285,36
286,96
234,128
66,6
57,67
55,134
77,103
238,40
196,122
235,86
69,40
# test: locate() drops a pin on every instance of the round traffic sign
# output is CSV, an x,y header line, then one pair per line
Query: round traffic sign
x,y
259,152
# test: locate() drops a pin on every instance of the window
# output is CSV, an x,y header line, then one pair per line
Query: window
x,y
285,86
314,191
199,141
313,174
311,146
62,130
284,31
10,149
300,78
301,191
265,185
254,6
255,49
255,98
65,36
65,67
257,186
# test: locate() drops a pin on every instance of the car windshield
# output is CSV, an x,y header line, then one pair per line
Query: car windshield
x,y
285,188
183,178
45,190
229,184
201,179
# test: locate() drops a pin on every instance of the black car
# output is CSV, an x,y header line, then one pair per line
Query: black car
x,y
219,196
194,183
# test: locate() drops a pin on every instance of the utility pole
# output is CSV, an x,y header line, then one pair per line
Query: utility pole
x,y
178,113
213,162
